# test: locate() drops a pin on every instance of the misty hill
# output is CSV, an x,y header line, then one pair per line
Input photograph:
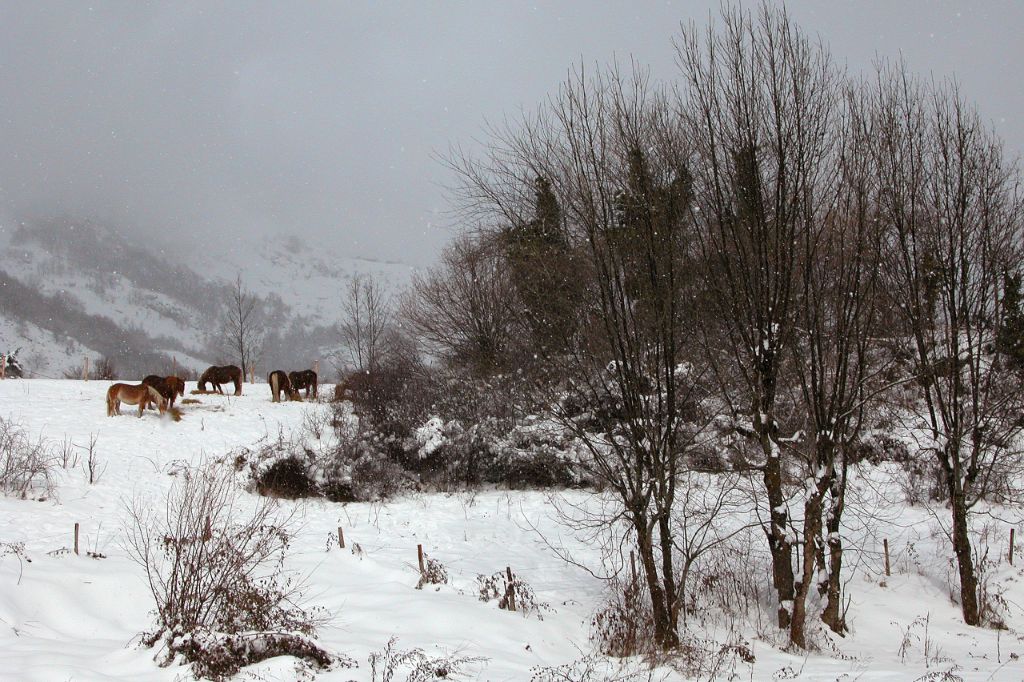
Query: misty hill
x,y
70,289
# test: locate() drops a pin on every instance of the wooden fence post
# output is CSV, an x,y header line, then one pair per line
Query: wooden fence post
x,y
885,545
341,539
85,369
3,366
316,367
1012,533
174,366
207,530
419,555
511,590
76,537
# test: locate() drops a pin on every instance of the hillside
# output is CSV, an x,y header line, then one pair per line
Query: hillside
x,y
74,288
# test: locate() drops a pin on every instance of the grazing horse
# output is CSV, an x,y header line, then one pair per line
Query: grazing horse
x,y
306,379
168,387
222,375
140,395
279,383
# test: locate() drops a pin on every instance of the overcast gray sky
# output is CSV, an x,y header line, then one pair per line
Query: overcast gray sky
x,y
323,119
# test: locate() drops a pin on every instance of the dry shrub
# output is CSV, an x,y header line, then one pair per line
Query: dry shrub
x,y
26,466
706,659
512,595
624,626
17,550
386,665
223,600
593,668
434,573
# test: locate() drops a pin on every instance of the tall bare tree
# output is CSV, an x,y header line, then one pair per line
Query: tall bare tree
x,y
832,359
760,99
464,308
367,315
950,203
243,328
614,155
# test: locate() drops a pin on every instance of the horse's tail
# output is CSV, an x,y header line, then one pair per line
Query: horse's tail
x,y
111,397
272,380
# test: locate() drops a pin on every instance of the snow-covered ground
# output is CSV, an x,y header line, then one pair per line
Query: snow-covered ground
x,y
68,617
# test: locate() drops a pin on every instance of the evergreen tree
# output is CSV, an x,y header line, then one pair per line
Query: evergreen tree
x,y
649,231
539,254
1010,333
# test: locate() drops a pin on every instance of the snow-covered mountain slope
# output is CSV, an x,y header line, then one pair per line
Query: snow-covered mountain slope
x,y
73,289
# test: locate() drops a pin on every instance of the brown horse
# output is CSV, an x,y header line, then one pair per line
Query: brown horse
x,y
222,375
279,383
306,379
140,395
169,388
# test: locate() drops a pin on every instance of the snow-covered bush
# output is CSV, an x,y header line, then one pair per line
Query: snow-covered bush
x,y
222,597
286,477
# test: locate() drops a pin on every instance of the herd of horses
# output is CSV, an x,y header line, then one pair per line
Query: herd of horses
x,y
160,392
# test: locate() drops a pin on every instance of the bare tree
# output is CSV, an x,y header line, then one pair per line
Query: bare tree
x,y
367,317
835,327
614,155
760,99
464,308
243,328
950,202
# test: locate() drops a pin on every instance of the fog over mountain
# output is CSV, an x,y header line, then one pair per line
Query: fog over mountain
x,y
194,123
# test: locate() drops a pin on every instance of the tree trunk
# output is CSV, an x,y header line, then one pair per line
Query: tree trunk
x,y
778,542
811,546
668,572
832,616
665,635
962,548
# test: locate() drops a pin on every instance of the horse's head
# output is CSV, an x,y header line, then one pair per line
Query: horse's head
x,y
155,397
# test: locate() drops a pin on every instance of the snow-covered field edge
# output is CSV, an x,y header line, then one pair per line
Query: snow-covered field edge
x,y
78,617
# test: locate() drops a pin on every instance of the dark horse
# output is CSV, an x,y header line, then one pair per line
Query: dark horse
x,y
222,375
306,379
169,388
279,383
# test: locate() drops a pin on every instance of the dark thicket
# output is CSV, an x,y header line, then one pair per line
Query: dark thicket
x,y
541,262
1010,334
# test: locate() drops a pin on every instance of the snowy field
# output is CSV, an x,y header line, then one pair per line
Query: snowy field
x,y
68,617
